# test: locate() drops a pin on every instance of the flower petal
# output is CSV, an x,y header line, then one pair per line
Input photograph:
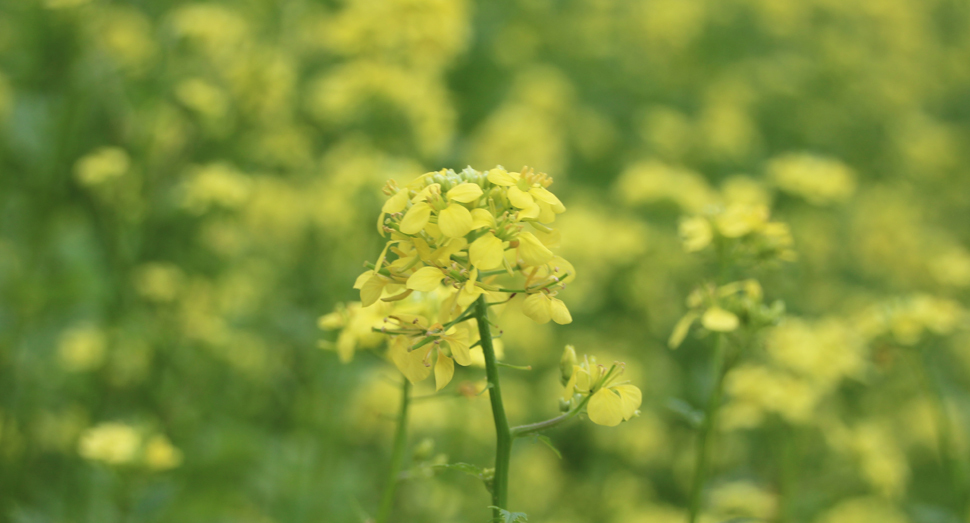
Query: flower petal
x,y
532,251
486,252
396,203
455,221
500,176
560,313
444,369
605,408
543,195
520,199
426,279
482,218
457,339
411,364
681,330
416,218
371,291
465,192
719,320
630,397
538,307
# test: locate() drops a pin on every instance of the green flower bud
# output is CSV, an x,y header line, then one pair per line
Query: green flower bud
x,y
566,364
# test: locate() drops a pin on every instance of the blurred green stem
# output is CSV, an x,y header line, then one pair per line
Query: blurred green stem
x,y
952,467
397,455
707,429
503,435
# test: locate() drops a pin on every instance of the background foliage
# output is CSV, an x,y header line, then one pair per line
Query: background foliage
x,y
186,187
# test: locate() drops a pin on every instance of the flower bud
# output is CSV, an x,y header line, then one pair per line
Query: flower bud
x,y
564,405
566,364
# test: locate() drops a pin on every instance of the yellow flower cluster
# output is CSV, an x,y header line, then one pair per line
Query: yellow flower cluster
x,y
453,237
726,308
609,401
743,231
119,444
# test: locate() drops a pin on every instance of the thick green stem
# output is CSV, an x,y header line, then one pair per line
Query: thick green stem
x,y
397,455
503,436
707,430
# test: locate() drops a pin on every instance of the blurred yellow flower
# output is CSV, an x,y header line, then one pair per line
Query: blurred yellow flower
x,y
112,443
82,348
102,166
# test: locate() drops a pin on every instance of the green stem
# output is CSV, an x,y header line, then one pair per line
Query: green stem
x,y
952,467
532,428
397,455
707,430
503,435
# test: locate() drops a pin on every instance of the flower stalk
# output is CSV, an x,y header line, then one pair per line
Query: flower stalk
x,y
397,456
706,436
503,435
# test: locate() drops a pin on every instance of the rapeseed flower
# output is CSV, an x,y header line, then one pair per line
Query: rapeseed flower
x,y
608,400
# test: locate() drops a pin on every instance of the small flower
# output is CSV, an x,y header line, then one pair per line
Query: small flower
x,y
610,401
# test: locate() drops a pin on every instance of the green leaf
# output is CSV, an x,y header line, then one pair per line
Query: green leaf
x,y
742,520
692,416
509,517
548,442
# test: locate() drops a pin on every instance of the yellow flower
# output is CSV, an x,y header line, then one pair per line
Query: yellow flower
x,y
160,454
542,307
112,443
486,252
719,320
527,191
609,401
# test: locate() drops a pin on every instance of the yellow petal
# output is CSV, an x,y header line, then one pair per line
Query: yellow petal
x,y
500,176
371,291
482,218
396,203
444,369
538,307
362,279
455,221
424,251
426,279
520,199
442,255
457,339
465,192
546,214
719,320
486,252
469,293
583,379
346,345
543,195
605,408
630,398
416,218
411,364
532,251
560,314
681,330
532,212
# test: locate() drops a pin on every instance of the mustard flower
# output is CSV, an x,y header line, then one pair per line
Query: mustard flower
x,y
609,401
